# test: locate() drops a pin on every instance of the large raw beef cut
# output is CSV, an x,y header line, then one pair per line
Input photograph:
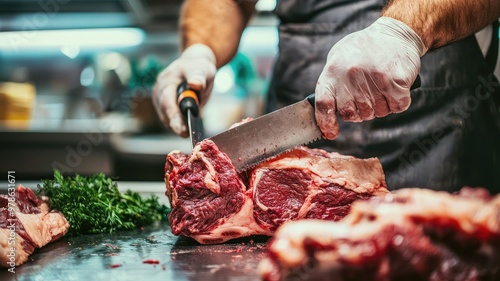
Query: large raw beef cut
x,y
211,203
26,223
413,234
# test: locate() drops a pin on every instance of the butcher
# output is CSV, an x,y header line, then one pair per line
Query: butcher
x,y
361,58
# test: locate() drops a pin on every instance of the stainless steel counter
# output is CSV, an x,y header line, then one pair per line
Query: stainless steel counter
x,y
141,255
121,256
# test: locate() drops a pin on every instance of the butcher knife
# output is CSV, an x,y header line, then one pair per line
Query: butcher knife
x,y
272,134
188,101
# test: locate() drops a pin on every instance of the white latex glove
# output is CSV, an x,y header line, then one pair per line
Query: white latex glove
x,y
196,65
368,74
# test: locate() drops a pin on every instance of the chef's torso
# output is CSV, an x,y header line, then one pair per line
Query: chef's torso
x,y
450,135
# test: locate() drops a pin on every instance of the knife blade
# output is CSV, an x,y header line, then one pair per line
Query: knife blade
x,y
272,134
188,101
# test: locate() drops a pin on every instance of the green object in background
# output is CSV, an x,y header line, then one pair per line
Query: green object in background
x,y
243,69
95,205
244,73
144,73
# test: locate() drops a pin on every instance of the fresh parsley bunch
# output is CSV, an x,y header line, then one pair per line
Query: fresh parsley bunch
x,y
94,204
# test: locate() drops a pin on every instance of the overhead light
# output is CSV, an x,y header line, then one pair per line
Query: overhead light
x,y
70,50
83,38
111,61
87,76
265,5
224,80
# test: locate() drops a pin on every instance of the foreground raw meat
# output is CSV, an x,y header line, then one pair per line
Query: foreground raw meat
x,y
26,223
414,234
212,203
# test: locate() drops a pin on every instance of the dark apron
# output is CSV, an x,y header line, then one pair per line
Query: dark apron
x,y
450,135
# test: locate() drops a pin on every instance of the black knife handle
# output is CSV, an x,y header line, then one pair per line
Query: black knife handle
x,y
312,99
416,84
188,99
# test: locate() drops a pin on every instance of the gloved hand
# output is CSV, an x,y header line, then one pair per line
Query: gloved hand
x,y
197,66
368,74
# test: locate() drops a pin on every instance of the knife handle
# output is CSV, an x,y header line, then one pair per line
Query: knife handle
x,y
188,99
416,84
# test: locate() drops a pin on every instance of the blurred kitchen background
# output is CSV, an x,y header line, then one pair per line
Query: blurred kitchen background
x,y
76,79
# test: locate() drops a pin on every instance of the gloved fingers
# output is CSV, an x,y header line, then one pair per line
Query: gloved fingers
x,y
196,65
157,96
380,105
403,78
379,83
370,72
398,95
361,93
326,110
345,89
399,103
201,79
347,108
156,103
196,79
169,105
165,101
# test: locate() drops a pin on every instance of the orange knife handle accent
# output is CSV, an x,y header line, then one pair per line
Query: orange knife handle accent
x,y
188,99
188,94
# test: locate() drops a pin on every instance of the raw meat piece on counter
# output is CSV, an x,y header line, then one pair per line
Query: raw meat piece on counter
x,y
26,223
211,203
411,234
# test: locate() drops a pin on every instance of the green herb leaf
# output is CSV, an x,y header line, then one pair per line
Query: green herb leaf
x,y
95,205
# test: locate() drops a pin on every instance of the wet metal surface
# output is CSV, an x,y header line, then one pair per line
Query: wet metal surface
x,y
122,256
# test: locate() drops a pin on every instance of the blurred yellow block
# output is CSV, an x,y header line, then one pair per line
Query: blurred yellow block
x,y
16,104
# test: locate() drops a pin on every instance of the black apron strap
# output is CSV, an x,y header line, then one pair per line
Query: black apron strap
x,y
492,54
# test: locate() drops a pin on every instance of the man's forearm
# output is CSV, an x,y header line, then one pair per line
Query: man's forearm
x,y
440,22
215,23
